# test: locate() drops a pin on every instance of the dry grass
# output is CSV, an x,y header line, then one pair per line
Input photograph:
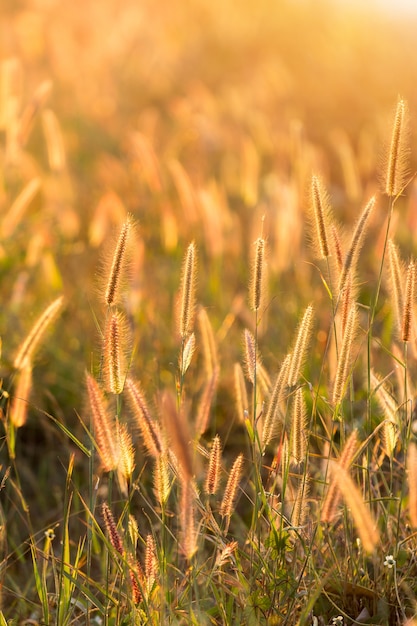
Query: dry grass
x,y
192,477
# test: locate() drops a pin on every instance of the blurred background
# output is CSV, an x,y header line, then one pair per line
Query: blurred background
x,y
199,118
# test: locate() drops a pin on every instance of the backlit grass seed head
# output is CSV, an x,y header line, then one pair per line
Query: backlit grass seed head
x,y
187,354
104,427
412,482
230,493
118,264
365,524
274,415
177,429
151,563
300,508
211,484
19,407
127,452
113,353
251,355
241,394
300,347
397,165
396,272
408,303
30,345
188,292
204,407
299,431
344,361
355,244
187,516
149,429
258,276
320,205
332,499
161,482
208,342
111,528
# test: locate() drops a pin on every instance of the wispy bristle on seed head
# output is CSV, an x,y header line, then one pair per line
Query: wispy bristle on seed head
x,y
230,493
187,519
396,283
203,413
179,437
114,535
300,347
118,264
397,165
258,276
332,499
148,427
19,407
320,208
408,303
161,481
355,244
213,473
274,415
412,482
31,343
103,426
188,292
241,395
113,353
344,360
208,342
298,436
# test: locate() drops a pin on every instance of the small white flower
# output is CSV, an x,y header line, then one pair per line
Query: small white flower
x,y
389,561
337,621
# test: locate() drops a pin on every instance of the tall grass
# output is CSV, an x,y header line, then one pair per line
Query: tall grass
x,y
223,432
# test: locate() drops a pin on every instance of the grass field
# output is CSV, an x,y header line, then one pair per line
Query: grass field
x,y
209,343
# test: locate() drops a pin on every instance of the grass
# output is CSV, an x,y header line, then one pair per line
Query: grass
x,y
208,320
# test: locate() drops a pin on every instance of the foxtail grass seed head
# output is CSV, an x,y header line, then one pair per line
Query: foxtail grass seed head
x,y
300,509
332,499
19,407
344,361
30,345
412,482
161,482
149,429
103,426
203,412
111,528
258,275
118,264
127,452
208,342
365,524
187,354
356,244
151,562
408,303
178,434
300,347
397,165
251,355
274,415
188,292
241,394
396,283
113,354
188,519
230,493
298,437
320,209
211,484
